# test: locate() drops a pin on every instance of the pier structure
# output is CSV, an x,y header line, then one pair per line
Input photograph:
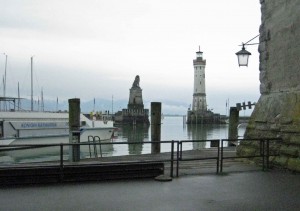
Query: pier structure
x,y
199,114
135,113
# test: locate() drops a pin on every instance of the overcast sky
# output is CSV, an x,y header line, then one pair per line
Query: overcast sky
x,y
95,48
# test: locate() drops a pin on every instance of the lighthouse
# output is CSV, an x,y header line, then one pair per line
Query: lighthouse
x,y
199,114
199,97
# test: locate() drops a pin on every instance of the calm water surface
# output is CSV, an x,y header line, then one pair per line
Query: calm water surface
x,y
172,128
132,139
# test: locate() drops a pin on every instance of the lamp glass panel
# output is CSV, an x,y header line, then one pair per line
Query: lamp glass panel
x,y
243,59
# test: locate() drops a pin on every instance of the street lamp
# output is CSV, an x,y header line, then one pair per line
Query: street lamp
x,y
243,55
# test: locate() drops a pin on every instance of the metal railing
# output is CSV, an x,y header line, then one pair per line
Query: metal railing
x,y
264,150
214,157
176,154
92,141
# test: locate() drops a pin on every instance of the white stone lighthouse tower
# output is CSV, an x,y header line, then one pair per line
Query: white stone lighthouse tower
x,y
199,97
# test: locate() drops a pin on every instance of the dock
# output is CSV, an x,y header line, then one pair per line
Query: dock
x,y
191,162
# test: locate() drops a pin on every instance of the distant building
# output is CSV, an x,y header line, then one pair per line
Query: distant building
x,y
135,112
199,114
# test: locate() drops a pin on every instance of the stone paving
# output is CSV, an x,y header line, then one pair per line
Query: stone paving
x,y
251,190
241,186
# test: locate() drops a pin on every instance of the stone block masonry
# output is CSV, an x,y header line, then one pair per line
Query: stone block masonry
x,y
277,113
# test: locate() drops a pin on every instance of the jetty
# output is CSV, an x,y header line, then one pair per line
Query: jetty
x,y
176,163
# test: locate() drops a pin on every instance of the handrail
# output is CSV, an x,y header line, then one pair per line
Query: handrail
x,y
90,138
263,142
219,157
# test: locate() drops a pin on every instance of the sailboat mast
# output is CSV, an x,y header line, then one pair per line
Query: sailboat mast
x,y
4,82
42,100
3,93
18,97
32,83
112,105
4,88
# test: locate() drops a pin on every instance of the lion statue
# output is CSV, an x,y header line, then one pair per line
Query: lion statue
x,y
136,82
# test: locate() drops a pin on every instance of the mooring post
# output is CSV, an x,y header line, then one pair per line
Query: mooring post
x,y
155,126
233,124
74,129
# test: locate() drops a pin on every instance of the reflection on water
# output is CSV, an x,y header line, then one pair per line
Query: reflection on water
x,y
198,132
135,135
172,128
206,132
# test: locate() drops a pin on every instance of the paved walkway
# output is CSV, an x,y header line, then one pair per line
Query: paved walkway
x,y
254,190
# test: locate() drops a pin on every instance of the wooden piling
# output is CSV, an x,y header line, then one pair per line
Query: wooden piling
x,y
74,129
155,127
233,123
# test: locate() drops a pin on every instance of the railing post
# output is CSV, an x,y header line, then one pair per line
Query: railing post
x,y
172,158
268,153
100,146
61,156
95,147
218,157
180,150
263,153
177,159
90,145
221,166
61,162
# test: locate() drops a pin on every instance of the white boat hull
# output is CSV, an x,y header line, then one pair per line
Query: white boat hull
x,y
31,128
53,153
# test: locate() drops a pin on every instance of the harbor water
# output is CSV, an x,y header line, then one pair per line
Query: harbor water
x,y
132,141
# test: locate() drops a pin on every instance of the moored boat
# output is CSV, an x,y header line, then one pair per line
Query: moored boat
x,y
34,127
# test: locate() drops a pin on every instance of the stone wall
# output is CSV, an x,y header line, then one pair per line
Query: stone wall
x,y
277,113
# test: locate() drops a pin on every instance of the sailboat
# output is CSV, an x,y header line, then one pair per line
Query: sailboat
x,y
32,127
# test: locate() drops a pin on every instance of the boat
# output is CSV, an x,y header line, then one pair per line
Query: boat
x,y
21,127
44,128
37,127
